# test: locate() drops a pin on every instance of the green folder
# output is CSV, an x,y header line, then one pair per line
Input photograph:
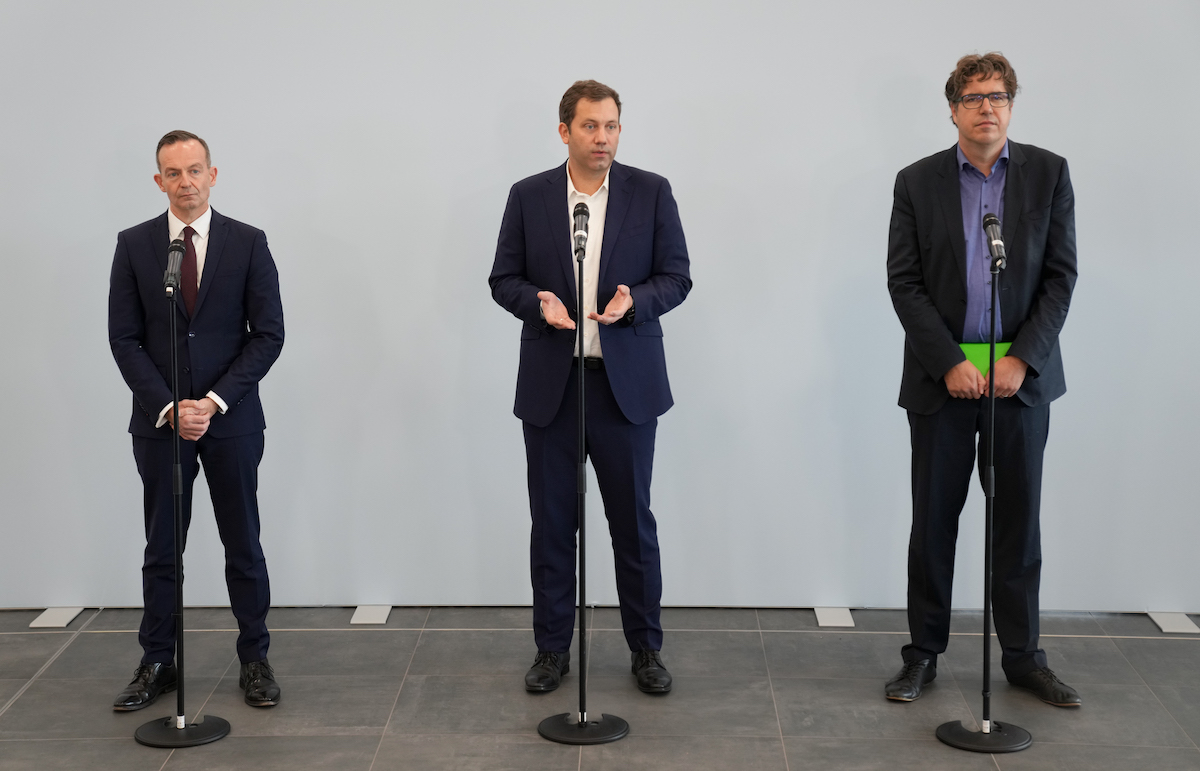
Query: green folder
x,y
978,353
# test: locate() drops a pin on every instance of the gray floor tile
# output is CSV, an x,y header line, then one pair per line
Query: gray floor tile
x,y
117,654
875,657
49,755
696,706
709,618
1183,702
22,655
1165,661
1128,715
494,652
476,705
130,619
1068,623
82,709
271,753
19,620
338,617
857,709
8,688
878,620
1077,660
1043,756
464,752
787,618
480,618
922,752
310,706
685,654
366,652
686,753
1128,624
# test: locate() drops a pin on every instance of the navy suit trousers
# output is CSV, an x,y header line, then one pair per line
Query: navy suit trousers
x,y
231,468
622,455
944,455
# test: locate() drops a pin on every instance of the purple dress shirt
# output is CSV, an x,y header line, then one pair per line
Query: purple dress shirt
x,y
980,195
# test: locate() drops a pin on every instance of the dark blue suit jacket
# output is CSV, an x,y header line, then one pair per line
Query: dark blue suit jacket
x,y
643,248
232,339
927,272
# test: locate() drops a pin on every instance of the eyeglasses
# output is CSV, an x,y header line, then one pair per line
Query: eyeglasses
x,y
973,101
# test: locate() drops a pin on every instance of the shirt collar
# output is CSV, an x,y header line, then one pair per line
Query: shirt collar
x,y
963,163
603,185
175,225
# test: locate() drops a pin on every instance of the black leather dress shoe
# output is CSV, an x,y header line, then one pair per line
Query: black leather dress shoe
x,y
910,680
148,682
257,679
547,671
1046,686
652,676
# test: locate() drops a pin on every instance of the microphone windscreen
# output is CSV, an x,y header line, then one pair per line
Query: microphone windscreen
x,y
176,246
581,209
990,220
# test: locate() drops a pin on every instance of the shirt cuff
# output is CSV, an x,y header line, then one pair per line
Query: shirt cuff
x,y
221,405
162,416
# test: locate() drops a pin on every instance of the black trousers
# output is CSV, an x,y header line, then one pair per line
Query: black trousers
x,y
231,468
622,454
943,457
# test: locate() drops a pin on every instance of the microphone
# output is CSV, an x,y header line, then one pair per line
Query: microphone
x,y
991,226
581,215
173,276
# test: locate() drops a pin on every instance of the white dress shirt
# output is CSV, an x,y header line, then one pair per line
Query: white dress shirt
x,y
597,204
175,228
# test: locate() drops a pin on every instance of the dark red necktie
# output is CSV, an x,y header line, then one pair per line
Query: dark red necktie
x,y
189,278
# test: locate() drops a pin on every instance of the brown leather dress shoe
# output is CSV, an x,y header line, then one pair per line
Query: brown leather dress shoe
x,y
652,676
257,679
149,680
1046,686
547,671
910,680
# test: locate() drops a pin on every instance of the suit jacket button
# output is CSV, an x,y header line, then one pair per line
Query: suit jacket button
x,y
187,370
191,334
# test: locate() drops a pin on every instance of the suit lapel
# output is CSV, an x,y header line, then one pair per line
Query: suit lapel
x,y
218,229
560,227
1014,204
950,197
614,216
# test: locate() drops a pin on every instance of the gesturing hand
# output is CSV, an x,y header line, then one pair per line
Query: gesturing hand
x,y
617,307
554,311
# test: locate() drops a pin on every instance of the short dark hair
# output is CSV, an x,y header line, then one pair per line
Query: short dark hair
x,y
987,66
591,90
171,137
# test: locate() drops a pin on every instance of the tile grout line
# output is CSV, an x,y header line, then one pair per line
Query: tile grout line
x,y
46,666
223,675
403,680
771,685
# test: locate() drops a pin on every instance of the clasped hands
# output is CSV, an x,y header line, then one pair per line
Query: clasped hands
x,y
556,314
194,416
965,381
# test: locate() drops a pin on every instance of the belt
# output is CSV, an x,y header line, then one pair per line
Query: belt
x,y
589,362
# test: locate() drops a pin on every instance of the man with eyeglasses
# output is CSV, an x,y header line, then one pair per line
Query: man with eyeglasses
x,y
939,278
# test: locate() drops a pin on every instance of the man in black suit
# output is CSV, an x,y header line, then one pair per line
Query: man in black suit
x,y
635,269
230,331
938,276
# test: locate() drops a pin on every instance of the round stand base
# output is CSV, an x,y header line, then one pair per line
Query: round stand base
x,y
163,733
1004,737
559,728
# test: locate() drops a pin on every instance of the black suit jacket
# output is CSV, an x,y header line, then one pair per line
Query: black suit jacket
x,y
927,271
228,344
644,249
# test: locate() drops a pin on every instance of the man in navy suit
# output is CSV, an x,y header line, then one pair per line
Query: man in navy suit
x,y
940,282
229,333
636,269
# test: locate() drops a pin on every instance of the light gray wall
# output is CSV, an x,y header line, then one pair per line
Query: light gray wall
x,y
375,143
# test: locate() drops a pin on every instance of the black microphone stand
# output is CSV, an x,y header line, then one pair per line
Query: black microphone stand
x,y
559,728
993,736
176,731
